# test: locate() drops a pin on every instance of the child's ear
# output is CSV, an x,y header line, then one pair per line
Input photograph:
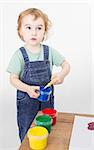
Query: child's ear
x,y
44,37
20,32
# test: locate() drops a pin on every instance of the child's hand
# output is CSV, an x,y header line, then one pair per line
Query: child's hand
x,y
33,91
57,78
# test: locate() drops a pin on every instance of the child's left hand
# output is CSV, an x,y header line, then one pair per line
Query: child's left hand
x,y
57,78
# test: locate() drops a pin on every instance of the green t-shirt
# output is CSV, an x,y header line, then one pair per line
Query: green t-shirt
x,y
16,64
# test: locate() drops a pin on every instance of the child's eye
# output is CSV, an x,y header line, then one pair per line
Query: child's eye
x,y
29,28
39,28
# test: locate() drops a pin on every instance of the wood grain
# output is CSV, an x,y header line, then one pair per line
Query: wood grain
x,y
60,135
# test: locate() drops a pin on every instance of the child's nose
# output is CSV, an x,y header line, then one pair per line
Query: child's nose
x,y
34,32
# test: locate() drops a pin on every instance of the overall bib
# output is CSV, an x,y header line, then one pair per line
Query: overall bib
x,y
35,73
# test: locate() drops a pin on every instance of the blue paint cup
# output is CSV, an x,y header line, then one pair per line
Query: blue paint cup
x,y
45,94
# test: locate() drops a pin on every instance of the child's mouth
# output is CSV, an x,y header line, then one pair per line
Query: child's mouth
x,y
33,39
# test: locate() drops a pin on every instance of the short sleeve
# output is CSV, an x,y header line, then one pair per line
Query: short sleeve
x,y
15,64
57,57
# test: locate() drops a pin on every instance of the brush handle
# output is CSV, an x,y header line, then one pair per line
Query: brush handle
x,y
50,83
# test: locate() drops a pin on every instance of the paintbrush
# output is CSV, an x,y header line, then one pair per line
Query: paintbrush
x,y
49,84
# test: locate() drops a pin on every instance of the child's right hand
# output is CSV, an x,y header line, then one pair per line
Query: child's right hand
x,y
33,91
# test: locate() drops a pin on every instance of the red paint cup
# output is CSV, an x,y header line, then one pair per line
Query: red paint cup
x,y
51,112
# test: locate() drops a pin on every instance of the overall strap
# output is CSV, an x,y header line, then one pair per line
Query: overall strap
x,y
46,52
24,53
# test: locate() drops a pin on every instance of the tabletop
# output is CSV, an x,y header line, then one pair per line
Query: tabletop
x,y
60,135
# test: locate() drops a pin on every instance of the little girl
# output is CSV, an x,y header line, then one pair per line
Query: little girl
x,y
31,67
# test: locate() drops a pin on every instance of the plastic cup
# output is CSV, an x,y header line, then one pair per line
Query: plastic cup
x,y
44,94
51,112
37,137
44,121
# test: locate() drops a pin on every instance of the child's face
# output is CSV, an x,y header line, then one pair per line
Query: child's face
x,y
32,30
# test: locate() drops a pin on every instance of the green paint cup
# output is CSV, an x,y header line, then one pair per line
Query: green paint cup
x,y
44,121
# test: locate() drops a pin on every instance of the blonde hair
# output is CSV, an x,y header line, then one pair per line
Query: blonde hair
x,y
36,13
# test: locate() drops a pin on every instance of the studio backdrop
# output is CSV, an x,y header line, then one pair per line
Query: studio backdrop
x,y
71,36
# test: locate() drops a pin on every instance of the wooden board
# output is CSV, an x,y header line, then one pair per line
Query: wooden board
x,y
60,135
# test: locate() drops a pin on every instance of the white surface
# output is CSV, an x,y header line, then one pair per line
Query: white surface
x,y
82,138
71,35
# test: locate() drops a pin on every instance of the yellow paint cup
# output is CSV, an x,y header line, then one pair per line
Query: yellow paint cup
x,y
37,137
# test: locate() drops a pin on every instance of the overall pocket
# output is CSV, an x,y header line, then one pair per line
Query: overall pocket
x,y
21,96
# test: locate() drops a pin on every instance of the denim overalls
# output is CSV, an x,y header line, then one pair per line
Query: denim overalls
x,y
35,73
